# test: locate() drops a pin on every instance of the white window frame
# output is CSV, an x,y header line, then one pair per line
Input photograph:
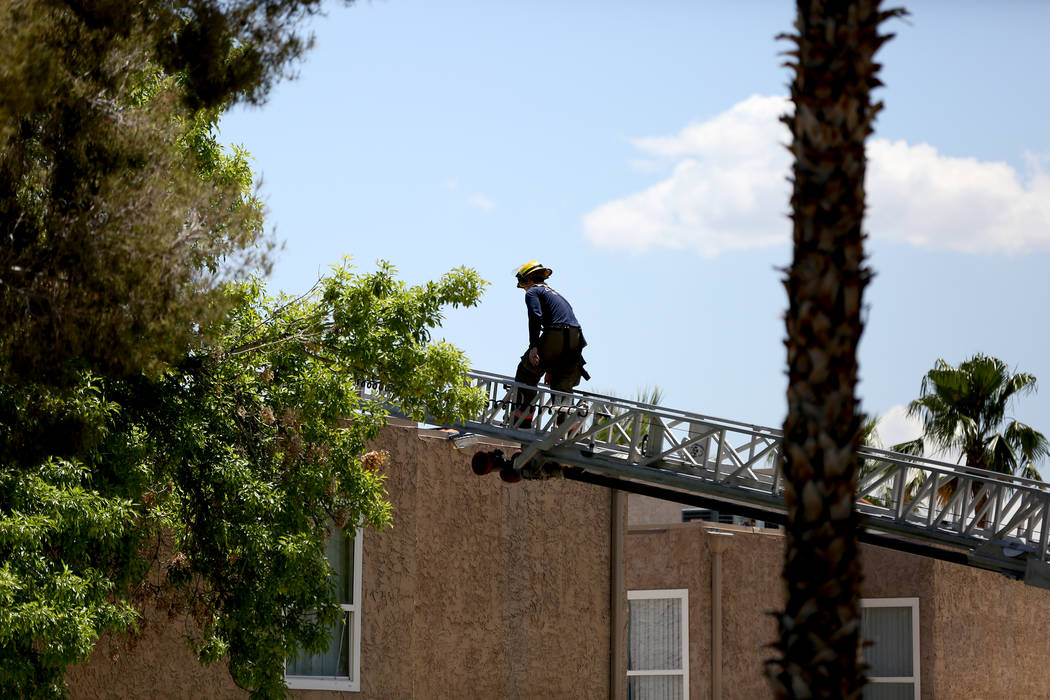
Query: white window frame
x,y
912,603
342,683
682,594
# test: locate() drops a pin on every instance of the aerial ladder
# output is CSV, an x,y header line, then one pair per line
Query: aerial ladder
x,y
913,504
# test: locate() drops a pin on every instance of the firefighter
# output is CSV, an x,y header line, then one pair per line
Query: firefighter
x,y
556,341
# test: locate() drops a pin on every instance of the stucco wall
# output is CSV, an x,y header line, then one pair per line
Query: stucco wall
x,y
480,589
502,590
157,664
645,510
892,574
679,556
990,635
982,635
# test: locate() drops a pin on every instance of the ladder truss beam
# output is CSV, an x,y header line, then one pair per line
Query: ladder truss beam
x,y
995,521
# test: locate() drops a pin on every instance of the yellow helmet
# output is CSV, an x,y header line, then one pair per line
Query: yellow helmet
x,y
528,269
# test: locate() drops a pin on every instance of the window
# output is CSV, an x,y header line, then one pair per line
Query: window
x,y
707,515
714,516
340,667
658,645
890,630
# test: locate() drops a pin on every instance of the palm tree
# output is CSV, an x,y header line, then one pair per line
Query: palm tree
x,y
834,74
651,395
869,437
964,409
867,467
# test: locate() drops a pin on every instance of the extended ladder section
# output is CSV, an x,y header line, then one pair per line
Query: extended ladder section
x,y
924,506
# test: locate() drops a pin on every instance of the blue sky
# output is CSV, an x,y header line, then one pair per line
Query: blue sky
x,y
634,148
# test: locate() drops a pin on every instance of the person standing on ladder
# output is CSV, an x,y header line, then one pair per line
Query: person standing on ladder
x,y
556,342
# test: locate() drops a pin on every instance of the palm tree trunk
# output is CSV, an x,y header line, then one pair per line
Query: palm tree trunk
x,y
833,77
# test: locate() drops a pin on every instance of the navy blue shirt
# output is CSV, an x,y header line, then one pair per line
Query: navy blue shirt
x,y
546,308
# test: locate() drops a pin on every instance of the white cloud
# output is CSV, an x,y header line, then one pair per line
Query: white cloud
x,y
726,189
921,197
475,200
896,426
480,201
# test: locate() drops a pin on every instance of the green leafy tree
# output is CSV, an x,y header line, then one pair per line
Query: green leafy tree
x,y
117,232
965,409
158,412
834,74
225,473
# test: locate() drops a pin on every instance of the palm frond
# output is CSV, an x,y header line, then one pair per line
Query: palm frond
x,y
964,408
651,395
914,448
869,432
1020,384
1031,443
998,456
1029,471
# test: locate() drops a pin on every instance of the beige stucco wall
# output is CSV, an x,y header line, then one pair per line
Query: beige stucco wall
x,y
982,635
679,556
990,636
480,589
507,585
645,510
488,590
156,664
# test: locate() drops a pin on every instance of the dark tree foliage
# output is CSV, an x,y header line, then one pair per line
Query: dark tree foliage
x,y
171,437
223,476
110,238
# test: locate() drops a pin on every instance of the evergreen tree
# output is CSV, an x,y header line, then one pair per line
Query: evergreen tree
x,y
158,411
